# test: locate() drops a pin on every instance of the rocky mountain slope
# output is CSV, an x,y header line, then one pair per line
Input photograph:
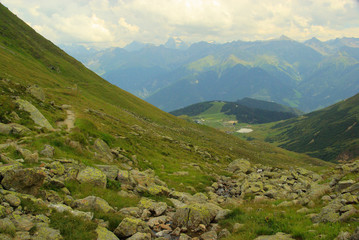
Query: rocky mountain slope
x,y
83,159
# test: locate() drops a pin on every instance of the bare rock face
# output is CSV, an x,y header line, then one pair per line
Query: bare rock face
x,y
26,181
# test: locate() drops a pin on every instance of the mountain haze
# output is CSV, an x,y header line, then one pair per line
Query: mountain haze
x,y
308,75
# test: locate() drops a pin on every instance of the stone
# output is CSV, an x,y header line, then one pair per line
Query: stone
x,y
28,155
13,200
22,222
111,171
26,181
48,151
157,221
224,233
103,150
239,166
92,203
47,233
130,226
6,225
92,176
211,235
14,128
35,114
277,236
158,208
155,190
131,211
56,168
184,237
191,216
140,236
3,211
37,92
104,234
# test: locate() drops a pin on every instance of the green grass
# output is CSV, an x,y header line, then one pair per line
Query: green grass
x,y
72,227
264,219
111,196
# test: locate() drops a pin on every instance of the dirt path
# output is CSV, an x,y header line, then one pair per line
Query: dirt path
x,y
69,122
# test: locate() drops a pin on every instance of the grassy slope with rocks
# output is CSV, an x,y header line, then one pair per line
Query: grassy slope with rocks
x,y
126,168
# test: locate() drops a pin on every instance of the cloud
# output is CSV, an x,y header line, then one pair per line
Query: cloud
x,y
118,22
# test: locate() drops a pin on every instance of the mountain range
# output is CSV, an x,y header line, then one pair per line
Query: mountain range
x,y
307,75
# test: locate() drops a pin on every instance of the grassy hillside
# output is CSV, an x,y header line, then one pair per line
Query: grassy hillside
x,y
159,140
330,134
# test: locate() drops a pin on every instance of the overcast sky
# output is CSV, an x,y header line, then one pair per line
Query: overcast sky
x,y
119,22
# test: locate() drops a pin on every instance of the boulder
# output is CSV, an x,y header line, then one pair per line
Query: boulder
x,y
104,234
211,235
92,203
131,211
130,226
278,236
92,176
35,114
47,233
13,200
26,181
22,222
111,171
140,236
103,150
239,166
193,215
48,151
37,92
14,128
158,208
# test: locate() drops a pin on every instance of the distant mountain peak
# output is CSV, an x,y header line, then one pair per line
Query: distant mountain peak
x,y
285,38
176,43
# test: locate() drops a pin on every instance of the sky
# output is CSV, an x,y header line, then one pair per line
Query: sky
x,y
106,23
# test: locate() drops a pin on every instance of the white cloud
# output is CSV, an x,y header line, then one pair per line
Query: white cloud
x,y
114,22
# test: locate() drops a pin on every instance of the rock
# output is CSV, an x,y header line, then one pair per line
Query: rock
x,y
224,233
26,181
14,128
131,211
103,150
37,92
92,176
8,167
35,114
343,236
158,208
111,171
3,211
126,180
237,227
184,237
344,184
191,216
211,235
239,166
47,233
63,208
92,203
278,236
22,222
28,155
157,221
6,225
130,226
104,234
48,151
158,190
318,191
5,129
140,236
12,200
352,189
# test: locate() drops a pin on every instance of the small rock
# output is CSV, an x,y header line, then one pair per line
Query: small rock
x,y
13,200
211,235
130,226
48,151
104,234
92,176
